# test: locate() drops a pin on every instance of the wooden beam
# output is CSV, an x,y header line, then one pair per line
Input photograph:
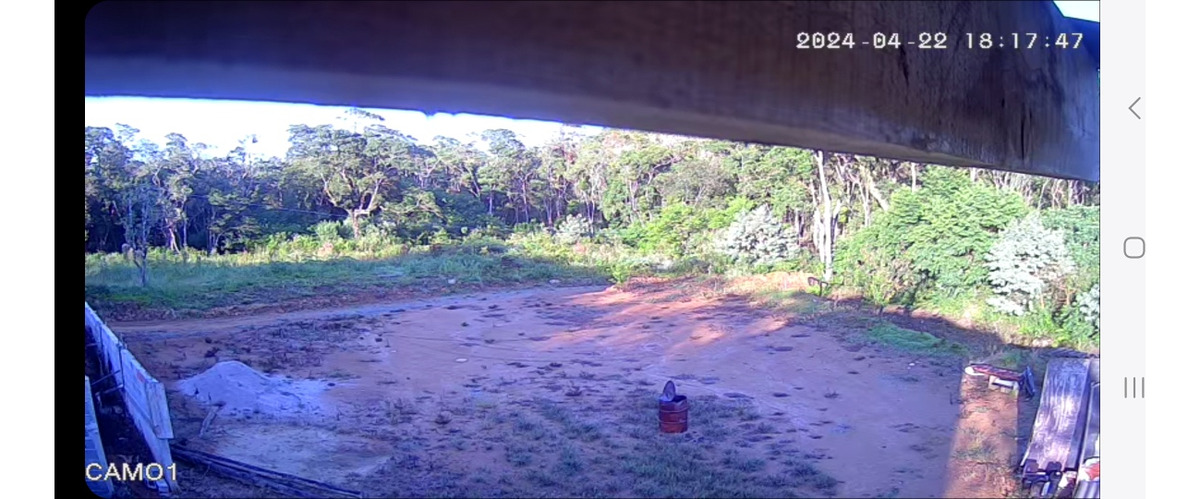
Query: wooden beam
x,y
1058,427
714,69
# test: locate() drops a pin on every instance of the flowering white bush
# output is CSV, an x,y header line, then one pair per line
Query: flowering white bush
x,y
572,229
1026,260
756,238
1089,306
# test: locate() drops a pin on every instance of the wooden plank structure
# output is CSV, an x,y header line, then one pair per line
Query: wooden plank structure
x,y
93,446
144,395
1062,419
728,70
1091,441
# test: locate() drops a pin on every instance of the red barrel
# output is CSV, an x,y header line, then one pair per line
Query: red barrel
x,y
673,415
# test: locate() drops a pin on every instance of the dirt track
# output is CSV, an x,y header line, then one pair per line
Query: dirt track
x,y
881,423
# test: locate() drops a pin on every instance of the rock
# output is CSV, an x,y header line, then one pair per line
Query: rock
x,y
451,281
460,360
554,281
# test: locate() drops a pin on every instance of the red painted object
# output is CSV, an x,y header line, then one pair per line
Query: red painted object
x,y
672,410
673,415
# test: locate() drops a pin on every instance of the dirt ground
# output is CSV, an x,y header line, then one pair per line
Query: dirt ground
x,y
552,392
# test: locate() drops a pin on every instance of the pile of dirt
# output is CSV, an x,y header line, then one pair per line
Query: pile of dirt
x,y
240,390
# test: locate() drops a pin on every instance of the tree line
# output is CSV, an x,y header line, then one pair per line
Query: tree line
x,y
140,194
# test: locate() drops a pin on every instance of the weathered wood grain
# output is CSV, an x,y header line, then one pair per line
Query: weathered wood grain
x,y
1059,425
715,69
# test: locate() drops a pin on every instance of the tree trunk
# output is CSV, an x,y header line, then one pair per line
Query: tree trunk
x,y
354,223
817,230
796,220
866,202
525,199
826,248
633,201
139,259
874,190
912,168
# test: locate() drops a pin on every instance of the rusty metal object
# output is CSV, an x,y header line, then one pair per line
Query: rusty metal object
x,y
672,410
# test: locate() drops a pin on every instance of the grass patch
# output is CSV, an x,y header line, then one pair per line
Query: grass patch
x,y
544,450
518,457
907,340
733,460
572,427
979,449
569,461
204,282
630,457
748,414
979,452
801,303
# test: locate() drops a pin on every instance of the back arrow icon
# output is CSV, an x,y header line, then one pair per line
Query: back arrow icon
x,y
1134,104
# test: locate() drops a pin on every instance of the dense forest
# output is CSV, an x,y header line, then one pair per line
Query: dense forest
x,y
1015,247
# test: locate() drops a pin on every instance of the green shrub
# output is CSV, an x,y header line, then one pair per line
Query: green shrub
x,y
374,238
931,242
630,236
720,218
525,228
1080,226
624,269
1040,322
539,244
676,231
330,231
484,243
302,243
609,235
441,237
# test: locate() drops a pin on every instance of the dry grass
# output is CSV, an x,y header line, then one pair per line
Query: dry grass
x,y
554,448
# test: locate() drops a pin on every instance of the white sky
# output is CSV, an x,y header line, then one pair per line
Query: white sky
x,y
223,123
1089,10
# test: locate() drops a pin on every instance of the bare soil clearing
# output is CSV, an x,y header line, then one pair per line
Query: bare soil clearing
x,y
552,392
